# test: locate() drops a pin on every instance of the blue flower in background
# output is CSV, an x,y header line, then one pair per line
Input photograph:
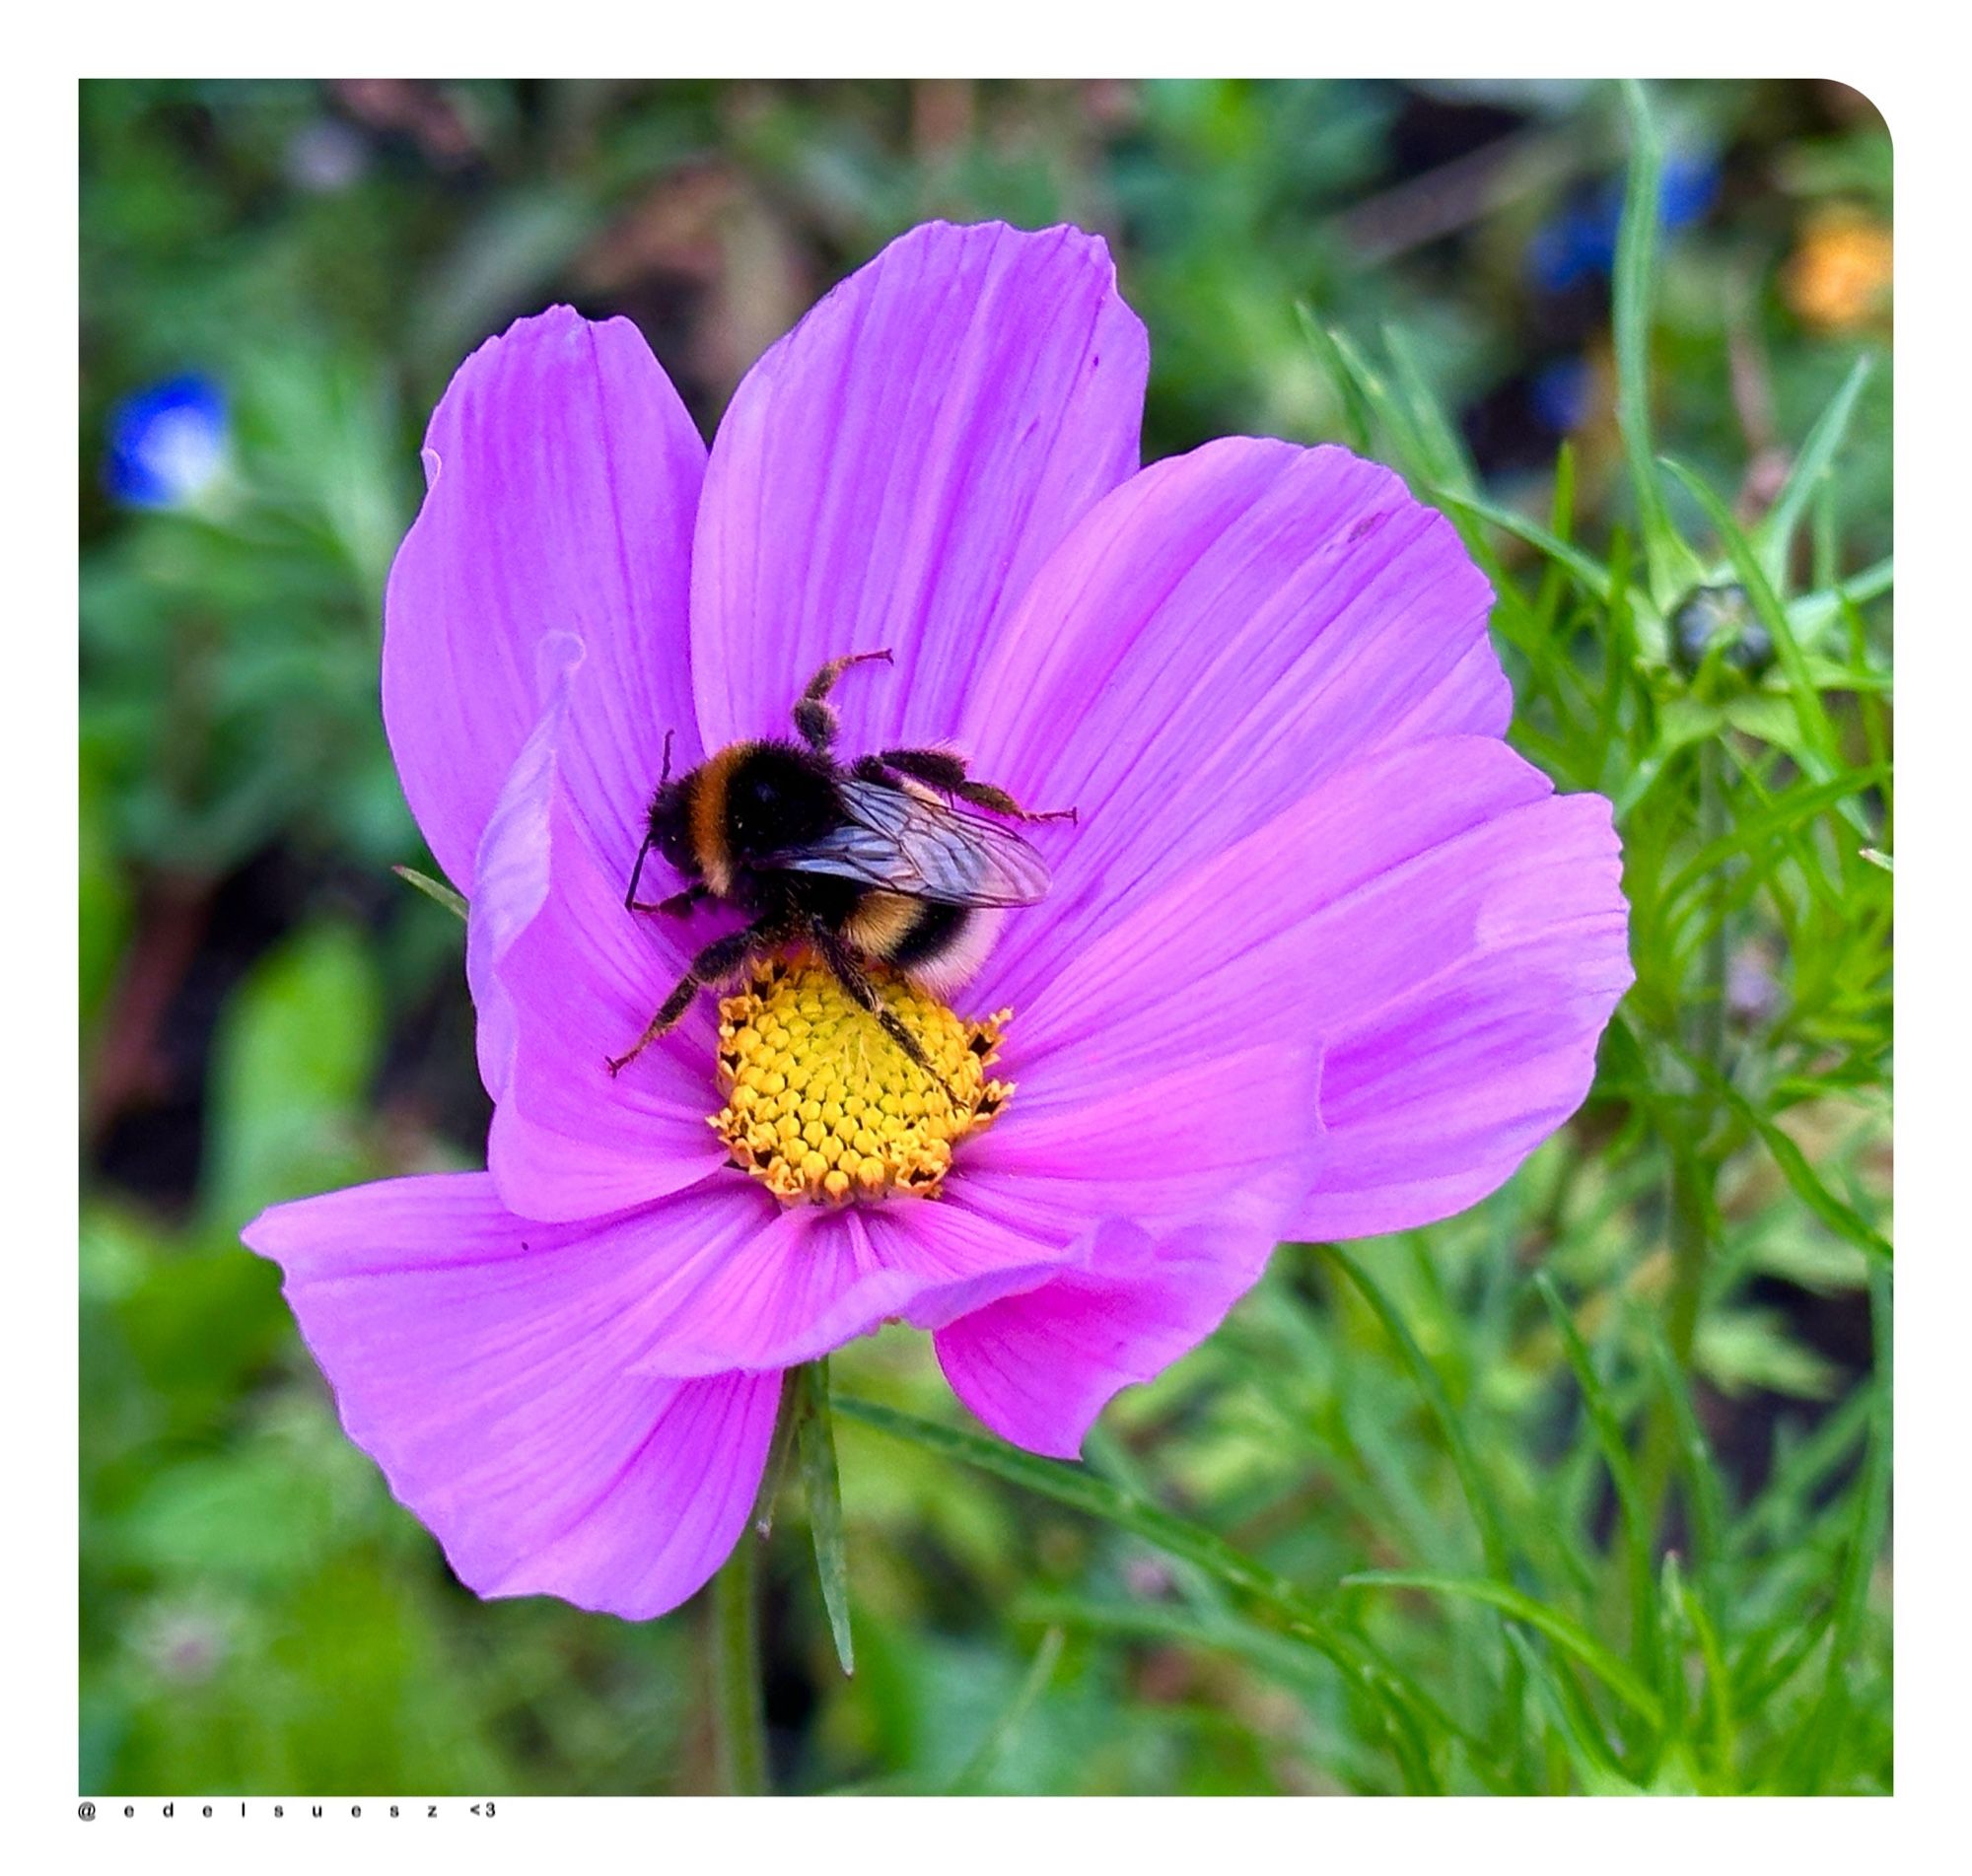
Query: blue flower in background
x,y
1579,242
168,443
1561,393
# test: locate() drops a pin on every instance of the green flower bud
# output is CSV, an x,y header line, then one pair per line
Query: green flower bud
x,y
1707,615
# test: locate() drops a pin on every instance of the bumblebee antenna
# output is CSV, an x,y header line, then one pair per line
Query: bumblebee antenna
x,y
650,839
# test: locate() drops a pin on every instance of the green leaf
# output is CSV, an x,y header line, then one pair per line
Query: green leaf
x,y
1439,442
1373,408
780,1454
1792,808
105,900
1486,1511
1779,1653
1086,1491
1813,613
1356,414
1773,537
1800,1475
973,1775
1083,1491
1672,1639
1809,1187
1859,1563
1589,574
249,1516
1608,1668
1572,1717
1741,1350
815,1450
1672,566
1873,1497
292,1062
1814,726
1704,1501
434,889
1689,1612
1295,1667
1615,1452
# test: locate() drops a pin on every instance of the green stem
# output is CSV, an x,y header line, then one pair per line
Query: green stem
x,y
739,1723
1712,827
1693,1171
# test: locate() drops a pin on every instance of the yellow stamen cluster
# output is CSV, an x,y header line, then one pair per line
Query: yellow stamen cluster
x,y
824,1108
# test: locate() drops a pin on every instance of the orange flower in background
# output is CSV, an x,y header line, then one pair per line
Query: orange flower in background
x,y
1838,278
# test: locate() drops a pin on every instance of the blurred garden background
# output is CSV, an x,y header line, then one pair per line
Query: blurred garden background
x,y
1586,1489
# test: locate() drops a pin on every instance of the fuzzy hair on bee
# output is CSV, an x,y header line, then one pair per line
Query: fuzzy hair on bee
x,y
869,863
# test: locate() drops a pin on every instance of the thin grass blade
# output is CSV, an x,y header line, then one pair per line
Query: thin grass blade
x,y
1672,567
1773,537
434,889
1609,1668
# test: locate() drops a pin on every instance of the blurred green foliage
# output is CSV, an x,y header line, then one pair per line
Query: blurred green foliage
x,y
1412,1520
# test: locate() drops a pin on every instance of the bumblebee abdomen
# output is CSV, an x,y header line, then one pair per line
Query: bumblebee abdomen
x,y
933,931
886,924
936,944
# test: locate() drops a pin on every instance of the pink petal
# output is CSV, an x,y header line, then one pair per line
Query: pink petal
x,y
1213,639
485,1362
1451,937
1112,1126
1485,1043
891,474
564,478
566,978
1037,1368
811,1280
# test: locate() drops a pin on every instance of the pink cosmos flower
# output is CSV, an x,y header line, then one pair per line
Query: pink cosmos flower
x,y
1322,956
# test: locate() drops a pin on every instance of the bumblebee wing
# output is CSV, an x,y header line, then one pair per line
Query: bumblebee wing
x,y
911,844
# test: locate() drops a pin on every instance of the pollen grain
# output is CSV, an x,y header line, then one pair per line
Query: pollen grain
x,y
824,1108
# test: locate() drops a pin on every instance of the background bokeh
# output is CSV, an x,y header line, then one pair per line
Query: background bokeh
x,y
278,279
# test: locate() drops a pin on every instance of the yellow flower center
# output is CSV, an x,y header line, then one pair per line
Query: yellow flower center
x,y
823,1107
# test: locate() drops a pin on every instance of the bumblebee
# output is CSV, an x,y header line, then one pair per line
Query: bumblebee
x,y
868,863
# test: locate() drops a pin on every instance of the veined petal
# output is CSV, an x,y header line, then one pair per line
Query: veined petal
x,y
1214,637
1459,1042
1037,1368
1111,1129
1167,1108
484,1362
511,872
565,978
564,478
891,474
809,1279
1451,937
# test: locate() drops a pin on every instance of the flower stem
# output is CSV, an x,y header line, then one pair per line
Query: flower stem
x,y
739,1723
1694,1171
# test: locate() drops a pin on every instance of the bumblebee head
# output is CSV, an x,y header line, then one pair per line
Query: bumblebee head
x,y
671,827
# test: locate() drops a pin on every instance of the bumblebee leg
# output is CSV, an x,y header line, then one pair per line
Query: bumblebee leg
x,y
720,960
848,971
941,769
636,874
678,905
813,718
